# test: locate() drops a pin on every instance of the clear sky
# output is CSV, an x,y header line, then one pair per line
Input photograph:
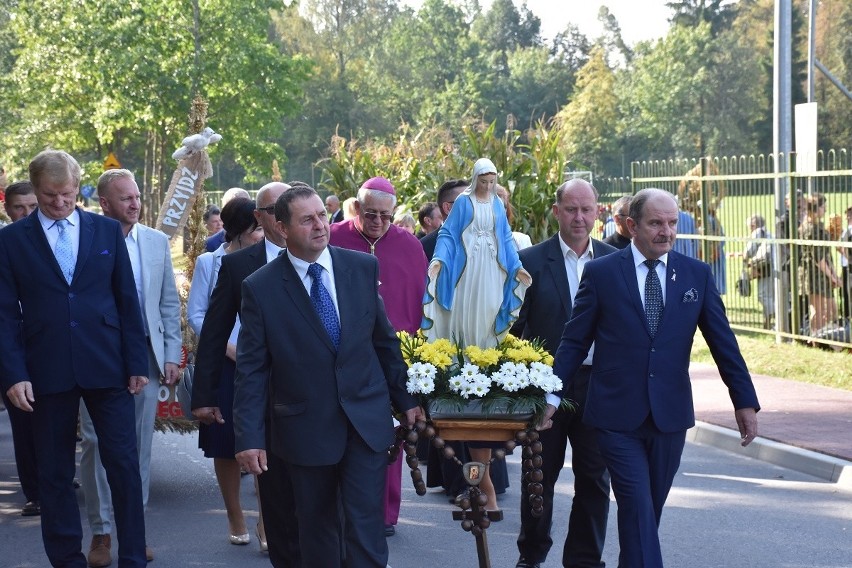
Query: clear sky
x,y
639,19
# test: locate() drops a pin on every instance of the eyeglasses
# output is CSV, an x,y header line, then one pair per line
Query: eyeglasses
x,y
270,209
373,215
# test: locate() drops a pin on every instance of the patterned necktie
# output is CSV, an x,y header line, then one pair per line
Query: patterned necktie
x,y
323,304
653,297
64,253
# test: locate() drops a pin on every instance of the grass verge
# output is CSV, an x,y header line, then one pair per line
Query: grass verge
x,y
787,360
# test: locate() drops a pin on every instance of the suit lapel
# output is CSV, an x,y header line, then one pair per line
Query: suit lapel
x,y
38,239
628,272
560,277
144,254
343,283
296,290
674,289
258,255
87,234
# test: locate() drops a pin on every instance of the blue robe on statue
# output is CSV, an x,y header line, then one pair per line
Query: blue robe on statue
x,y
451,252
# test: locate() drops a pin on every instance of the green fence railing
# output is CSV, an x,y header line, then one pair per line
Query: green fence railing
x,y
806,294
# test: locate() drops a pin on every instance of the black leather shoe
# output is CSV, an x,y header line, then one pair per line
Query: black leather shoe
x,y
524,563
31,509
390,530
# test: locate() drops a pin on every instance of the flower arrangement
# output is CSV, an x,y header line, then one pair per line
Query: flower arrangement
x,y
512,377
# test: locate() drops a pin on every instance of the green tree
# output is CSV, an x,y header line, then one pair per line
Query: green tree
x,y
120,76
588,124
689,13
537,86
753,33
612,39
834,20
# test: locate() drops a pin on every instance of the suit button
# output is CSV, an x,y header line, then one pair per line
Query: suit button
x,y
70,295
73,324
651,375
653,349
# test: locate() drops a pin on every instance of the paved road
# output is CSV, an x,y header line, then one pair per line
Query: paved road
x,y
725,510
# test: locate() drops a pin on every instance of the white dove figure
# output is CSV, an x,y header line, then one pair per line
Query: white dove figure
x,y
196,142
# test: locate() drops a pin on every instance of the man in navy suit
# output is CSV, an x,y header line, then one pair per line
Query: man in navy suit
x,y
639,399
151,260
556,266
274,488
71,327
318,353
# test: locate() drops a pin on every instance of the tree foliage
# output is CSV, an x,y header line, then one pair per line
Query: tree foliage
x,y
108,76
290,80
588,124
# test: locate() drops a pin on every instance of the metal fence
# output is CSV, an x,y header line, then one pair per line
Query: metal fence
x,y
798,273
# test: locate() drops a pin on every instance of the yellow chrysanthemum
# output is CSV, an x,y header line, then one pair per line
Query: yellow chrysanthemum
x,y
430,353
523,354
444,346
482,357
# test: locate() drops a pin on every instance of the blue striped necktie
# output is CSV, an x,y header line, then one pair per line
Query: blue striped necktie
x,y
64,251
323,304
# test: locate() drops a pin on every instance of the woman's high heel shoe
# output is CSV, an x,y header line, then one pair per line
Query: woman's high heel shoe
x,y
264,547
239,539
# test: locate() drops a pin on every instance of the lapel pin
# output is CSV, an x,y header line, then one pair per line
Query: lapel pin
x,y
674,275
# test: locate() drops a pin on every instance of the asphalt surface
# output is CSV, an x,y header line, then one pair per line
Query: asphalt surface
x,y
729,506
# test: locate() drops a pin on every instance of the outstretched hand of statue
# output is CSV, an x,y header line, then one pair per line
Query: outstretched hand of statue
x,y
524,277
434,269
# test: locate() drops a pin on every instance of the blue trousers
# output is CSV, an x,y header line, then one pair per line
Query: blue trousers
x,y
55,426
642,464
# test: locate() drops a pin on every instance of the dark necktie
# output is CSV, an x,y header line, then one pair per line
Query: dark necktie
x,y
64,251
653,297
323,304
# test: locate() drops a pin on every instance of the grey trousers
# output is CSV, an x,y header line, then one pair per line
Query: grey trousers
x,y
93,478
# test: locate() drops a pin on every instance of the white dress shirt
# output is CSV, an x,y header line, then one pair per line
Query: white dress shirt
x,y
324,260
642,271
135,254
574,266
272,250
51,231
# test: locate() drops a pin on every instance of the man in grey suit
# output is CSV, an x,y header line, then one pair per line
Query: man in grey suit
x,y
317,352
556,266
154,278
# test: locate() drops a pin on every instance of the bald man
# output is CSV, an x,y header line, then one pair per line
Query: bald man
x,y
276,494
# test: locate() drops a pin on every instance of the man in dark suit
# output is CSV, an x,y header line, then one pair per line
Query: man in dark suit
x,y
216,240
620,239
641,307
332,205
71,328
447,194
317,351
276,493
556,266
20,202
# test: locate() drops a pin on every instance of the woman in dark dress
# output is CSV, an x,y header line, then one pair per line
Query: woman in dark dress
x,y
217,440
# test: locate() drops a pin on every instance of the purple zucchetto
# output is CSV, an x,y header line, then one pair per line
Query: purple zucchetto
x,y
379,184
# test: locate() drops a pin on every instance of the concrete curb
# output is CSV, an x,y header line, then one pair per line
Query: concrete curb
x,y
829,468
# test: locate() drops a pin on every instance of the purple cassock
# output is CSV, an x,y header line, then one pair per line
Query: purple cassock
x,y
402,270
